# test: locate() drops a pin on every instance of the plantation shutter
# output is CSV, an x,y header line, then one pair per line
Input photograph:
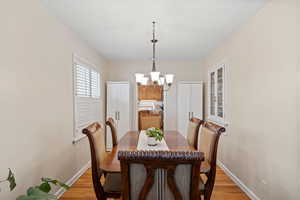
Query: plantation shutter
x,y
95,84
86,97
216,92
220,91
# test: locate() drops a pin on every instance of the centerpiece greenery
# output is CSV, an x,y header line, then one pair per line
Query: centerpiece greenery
x,y
156,133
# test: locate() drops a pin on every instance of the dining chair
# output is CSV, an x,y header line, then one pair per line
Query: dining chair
x,y
148,119
193,131
112,186
160,175
209,139
112,125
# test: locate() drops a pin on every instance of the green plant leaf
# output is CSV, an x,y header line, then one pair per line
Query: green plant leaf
x,y
55,182
34,193
50,180
45,187
36,197
63,185
11,179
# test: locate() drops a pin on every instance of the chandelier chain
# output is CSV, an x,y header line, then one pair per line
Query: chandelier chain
x,y
154,41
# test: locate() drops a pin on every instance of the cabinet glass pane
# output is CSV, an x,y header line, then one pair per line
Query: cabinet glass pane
x,y
220,110
212,93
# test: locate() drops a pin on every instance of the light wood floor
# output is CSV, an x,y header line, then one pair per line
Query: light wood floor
x,y
224,189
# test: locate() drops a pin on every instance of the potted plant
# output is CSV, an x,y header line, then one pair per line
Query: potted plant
x,y
42,191
154,135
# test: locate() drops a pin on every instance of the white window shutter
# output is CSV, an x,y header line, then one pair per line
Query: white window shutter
x,y
220,92
216,92
82,81
86,97
212,92
95,84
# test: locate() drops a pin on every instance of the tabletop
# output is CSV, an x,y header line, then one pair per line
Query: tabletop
x,y
110,162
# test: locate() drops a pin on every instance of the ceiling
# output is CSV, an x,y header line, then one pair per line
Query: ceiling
x,y
121,29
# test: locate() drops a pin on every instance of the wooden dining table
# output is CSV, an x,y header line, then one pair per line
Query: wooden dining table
x,y
175,142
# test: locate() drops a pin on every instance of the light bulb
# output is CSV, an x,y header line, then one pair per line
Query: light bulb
x,y
139,77
169,78
161,80
155,77
145,80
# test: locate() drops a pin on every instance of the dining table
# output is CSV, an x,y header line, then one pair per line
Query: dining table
x,y
129,142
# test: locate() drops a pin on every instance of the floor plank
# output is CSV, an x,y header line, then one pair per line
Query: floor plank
x,y
224,189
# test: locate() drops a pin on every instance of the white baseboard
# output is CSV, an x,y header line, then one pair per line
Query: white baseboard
x,y
72,180
237,181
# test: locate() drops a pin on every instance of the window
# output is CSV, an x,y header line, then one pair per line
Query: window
x,y
216,91
86,96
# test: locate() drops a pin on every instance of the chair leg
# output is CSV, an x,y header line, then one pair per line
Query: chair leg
x,y
207,196
208,190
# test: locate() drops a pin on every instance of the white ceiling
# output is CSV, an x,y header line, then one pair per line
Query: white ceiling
x,y
121,29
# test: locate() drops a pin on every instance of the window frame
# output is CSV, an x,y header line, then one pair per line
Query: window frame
x,y
77,136
215,118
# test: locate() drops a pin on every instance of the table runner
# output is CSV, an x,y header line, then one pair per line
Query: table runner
x,y
143,143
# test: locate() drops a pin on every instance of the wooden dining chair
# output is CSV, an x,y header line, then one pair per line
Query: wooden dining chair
x,y
112,186
179,175
193,131
112,125
209,139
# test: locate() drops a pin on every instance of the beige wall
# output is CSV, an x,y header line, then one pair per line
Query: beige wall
x,y
263,135
183,71
298,95
36,102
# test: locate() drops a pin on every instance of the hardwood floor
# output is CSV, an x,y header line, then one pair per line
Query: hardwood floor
x,y
224,189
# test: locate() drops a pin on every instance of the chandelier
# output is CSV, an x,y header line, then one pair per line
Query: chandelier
x,y
155,77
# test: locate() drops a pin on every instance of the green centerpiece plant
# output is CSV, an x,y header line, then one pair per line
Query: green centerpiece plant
x,y
155,135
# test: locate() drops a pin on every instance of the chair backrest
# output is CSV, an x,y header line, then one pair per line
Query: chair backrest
x,y
209,139
112,124
96,137
148,175
148,119
193,131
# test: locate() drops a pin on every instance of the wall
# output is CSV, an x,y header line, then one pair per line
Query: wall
x,y
262,145
183,71
298,96
36,100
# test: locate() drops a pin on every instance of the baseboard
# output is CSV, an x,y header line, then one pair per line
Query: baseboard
x,y
237,181
72,180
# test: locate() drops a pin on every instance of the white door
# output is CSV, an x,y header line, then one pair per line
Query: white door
x,y
183,107
111,109
196,100
123,110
